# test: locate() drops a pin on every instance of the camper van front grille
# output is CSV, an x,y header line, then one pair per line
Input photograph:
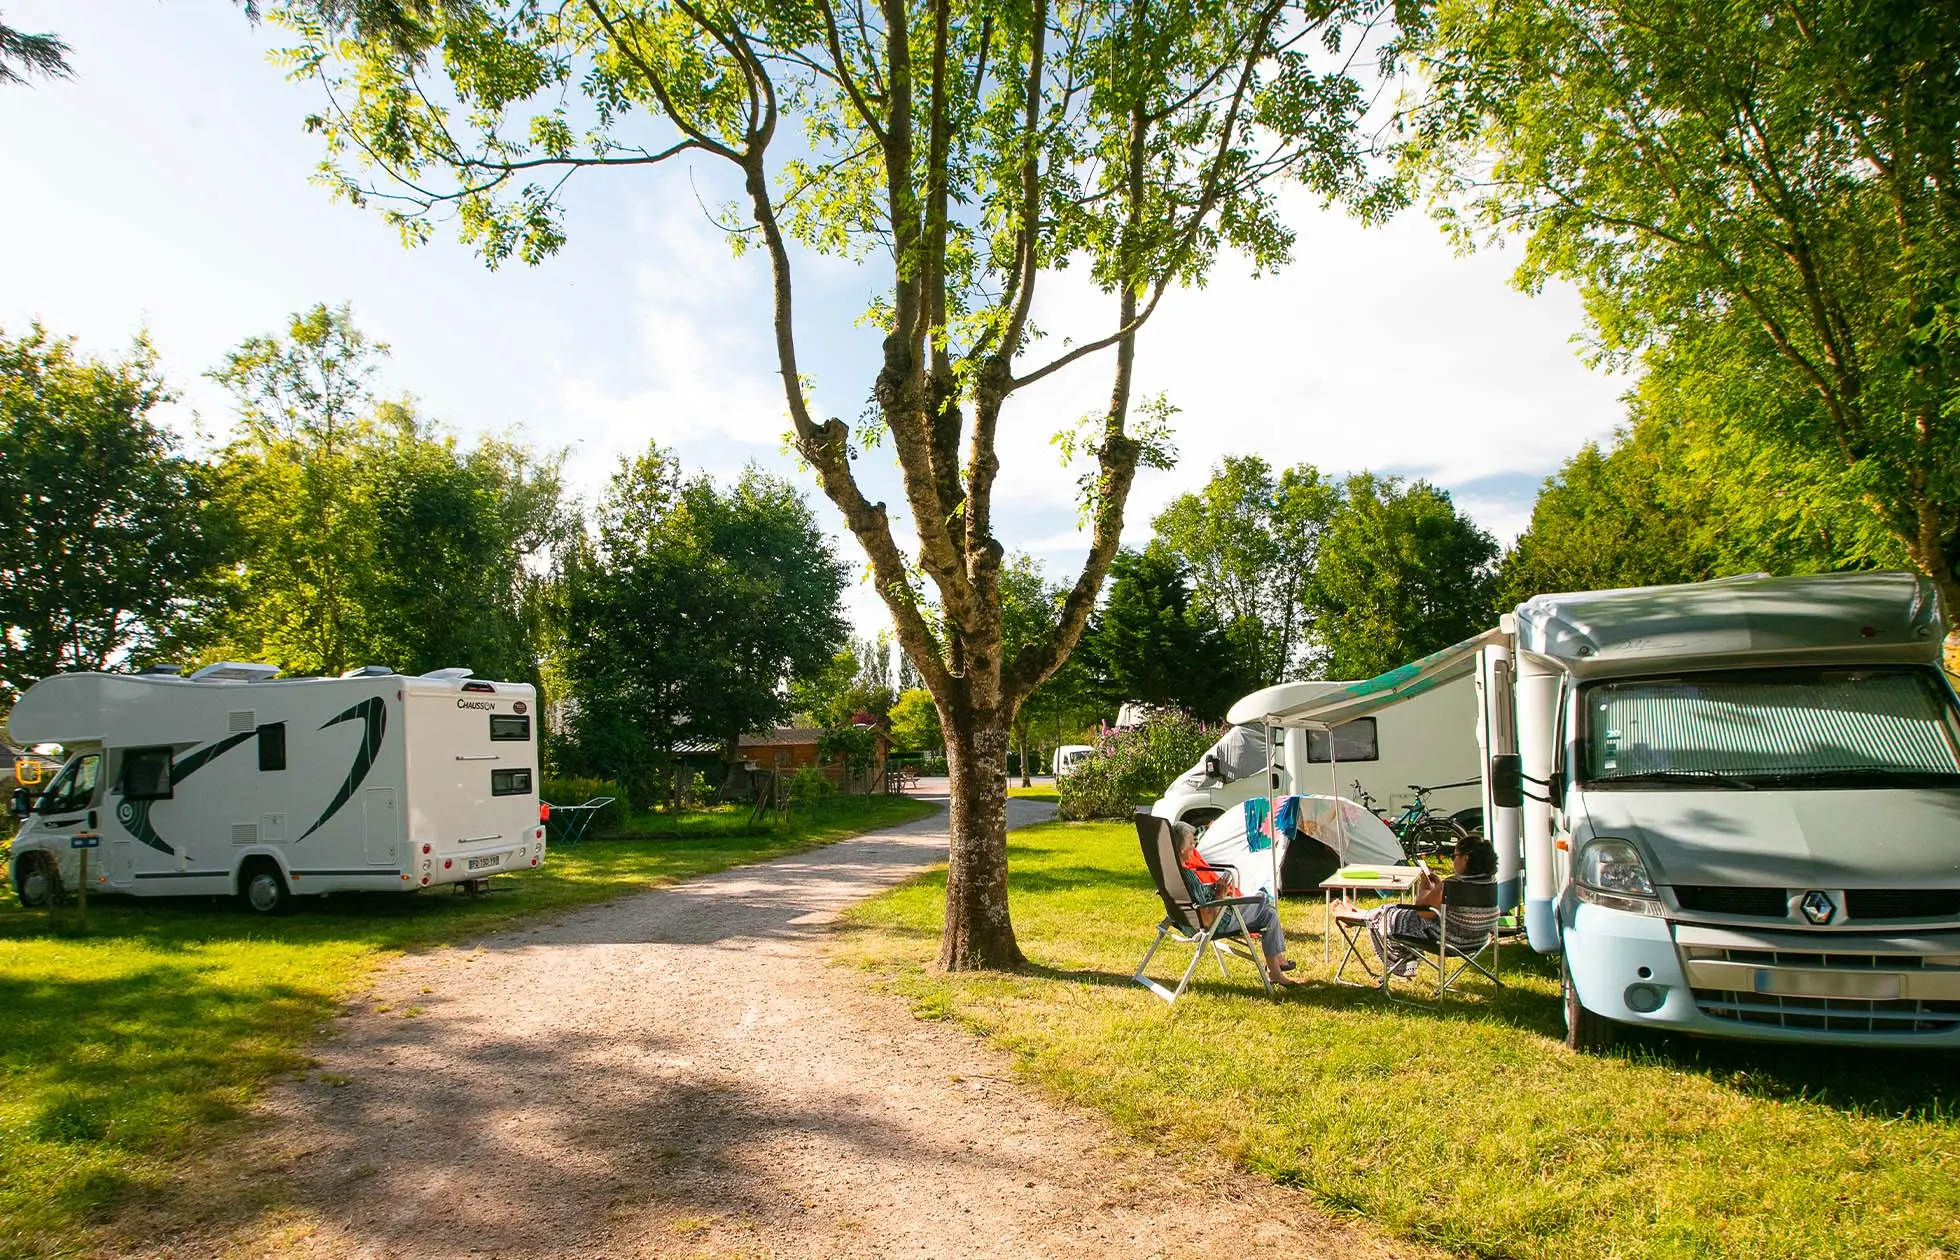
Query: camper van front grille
x,y
244,833
1905,1015
242,721
1902,903
1832,1014
1763,903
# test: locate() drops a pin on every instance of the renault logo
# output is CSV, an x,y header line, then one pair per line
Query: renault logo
x,y
1817,907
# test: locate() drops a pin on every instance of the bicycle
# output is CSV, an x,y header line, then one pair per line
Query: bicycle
x,y
1421,831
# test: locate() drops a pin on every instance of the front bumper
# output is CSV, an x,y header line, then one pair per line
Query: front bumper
x,y
1842,988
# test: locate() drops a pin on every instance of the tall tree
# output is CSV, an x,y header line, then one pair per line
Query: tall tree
x,y
1401,574
306,404
1251,540
109,544
970,149
367,535
1150,644
691,613
1785,172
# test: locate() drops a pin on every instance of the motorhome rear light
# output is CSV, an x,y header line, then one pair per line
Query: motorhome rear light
x,y
425,879
425,848
447,863
540,834
478,686
534,861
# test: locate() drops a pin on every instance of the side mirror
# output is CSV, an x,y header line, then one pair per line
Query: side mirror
x,y
21,805
1557,791
1507,781
1213,770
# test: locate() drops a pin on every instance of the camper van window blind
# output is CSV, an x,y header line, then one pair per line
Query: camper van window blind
x,y
1353,741
1781,724
510,727
145,775
272,746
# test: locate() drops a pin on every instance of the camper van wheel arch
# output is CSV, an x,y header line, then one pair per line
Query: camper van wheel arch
x,y
36,881
1201,817
1585,1031
261,887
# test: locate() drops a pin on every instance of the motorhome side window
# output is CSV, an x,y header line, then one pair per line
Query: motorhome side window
x,y
1353,741
145,775
1817,727
75,789
510,726
510,782
272,746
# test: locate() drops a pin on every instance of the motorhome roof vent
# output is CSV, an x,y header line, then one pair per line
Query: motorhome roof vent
x,y
235,671
162,671
451,674
370,671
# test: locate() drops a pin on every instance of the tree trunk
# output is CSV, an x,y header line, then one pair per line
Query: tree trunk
x,y
979,934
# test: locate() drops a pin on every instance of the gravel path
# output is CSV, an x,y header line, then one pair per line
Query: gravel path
x,y
679,1074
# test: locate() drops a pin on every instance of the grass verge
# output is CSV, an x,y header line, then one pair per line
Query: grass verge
x,y
1471,1128
130,1048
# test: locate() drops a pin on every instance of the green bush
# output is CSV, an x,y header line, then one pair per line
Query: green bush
x,y
809,786
1131,766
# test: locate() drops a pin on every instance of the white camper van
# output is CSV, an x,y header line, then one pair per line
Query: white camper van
x,y
1734,802
235,781
1415,744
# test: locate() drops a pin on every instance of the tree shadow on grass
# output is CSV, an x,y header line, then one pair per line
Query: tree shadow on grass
x,y
106,1070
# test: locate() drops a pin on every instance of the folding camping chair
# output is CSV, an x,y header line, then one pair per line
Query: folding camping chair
x,y
1475,899
1185,920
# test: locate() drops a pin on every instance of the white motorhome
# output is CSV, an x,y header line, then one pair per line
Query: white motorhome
x,y
1736,804
1387,754
235,781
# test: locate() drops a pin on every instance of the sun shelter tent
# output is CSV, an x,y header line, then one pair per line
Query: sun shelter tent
x,y
1258,842
1486,657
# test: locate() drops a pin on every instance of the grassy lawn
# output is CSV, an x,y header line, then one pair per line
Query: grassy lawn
x,y
130,1048
1474,1128
1038,792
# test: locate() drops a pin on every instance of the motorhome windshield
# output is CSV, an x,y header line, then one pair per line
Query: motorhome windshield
x,y
1773,727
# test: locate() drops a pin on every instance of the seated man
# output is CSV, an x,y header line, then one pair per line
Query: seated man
x,y
1399,931
1207,883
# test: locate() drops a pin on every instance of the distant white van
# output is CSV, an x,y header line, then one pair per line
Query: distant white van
x,y
1069,756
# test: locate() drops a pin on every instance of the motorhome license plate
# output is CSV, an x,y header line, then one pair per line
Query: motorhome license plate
x,y
483,863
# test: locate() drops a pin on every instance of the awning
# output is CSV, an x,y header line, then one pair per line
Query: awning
x,y
1371,695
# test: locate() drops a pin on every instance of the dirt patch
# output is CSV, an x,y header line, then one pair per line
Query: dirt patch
x,y
679,1074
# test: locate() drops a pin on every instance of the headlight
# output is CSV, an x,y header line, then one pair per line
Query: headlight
x,y
1614,866
1612,875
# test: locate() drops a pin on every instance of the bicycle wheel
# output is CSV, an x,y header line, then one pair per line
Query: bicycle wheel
x,y
1434,836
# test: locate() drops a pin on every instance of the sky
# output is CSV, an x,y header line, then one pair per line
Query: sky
x,y
167,189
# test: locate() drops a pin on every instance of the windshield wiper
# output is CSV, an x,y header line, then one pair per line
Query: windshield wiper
x,y
1688,778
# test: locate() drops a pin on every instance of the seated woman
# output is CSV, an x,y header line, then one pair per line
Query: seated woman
x,y
1207,884
1398,932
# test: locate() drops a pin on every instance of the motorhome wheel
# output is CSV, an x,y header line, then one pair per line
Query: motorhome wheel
x,y
37,885
264,890
1584,1031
